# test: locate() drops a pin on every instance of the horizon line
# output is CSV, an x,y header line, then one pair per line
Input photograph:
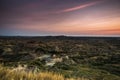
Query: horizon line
x,y
59,35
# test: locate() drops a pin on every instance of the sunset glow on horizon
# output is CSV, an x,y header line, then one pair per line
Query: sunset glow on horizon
x,y
60,17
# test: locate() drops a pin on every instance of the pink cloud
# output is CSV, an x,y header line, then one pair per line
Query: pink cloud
x,y
79,7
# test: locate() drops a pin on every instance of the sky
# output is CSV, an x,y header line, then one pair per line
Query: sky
x,y
60,17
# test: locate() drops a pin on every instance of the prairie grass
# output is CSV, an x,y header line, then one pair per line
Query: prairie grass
x,y
9,74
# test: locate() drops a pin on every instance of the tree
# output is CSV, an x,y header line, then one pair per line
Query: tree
x,y
1,51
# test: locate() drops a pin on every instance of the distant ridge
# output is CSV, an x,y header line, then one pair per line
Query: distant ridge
x,y
60,37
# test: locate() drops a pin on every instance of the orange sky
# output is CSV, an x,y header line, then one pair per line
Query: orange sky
x,y
79,17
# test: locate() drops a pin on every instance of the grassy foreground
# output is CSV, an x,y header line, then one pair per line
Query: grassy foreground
x,y
9,74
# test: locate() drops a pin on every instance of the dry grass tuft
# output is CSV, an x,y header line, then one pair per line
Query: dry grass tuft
x,y
8,74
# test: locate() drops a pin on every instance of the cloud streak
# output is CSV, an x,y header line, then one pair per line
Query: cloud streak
x,y
79,7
